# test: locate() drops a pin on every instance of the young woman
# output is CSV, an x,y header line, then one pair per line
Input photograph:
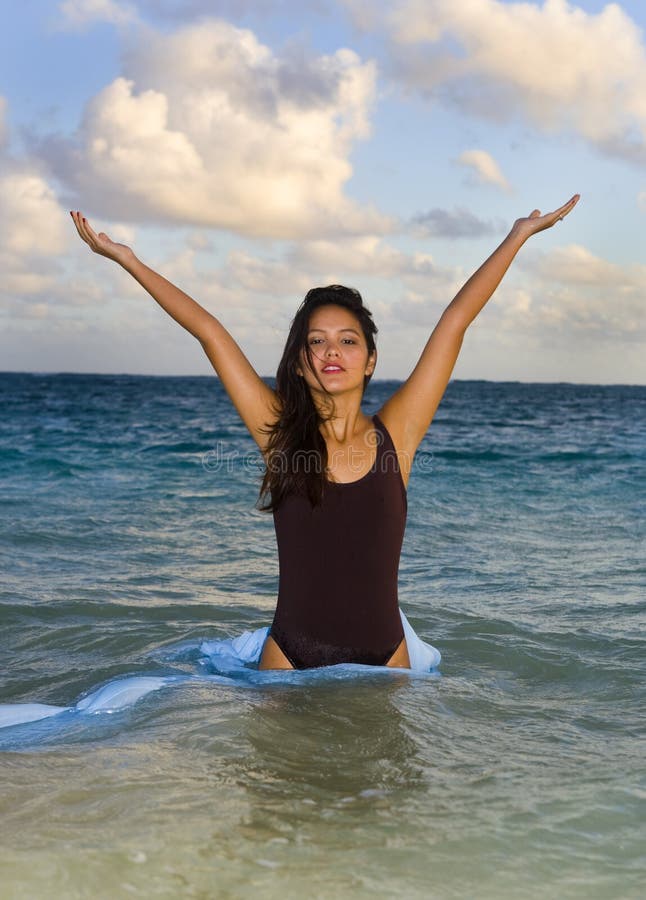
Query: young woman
x,y
335,479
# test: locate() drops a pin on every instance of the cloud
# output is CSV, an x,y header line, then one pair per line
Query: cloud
x,y
39,277
32,227
553,64
451,223
270,277
211,128
31,236
368,256
79,14
250,289
307,263
641,200
484,167
577,292
35,235
563,295
31,221
575,264
187,10
401,288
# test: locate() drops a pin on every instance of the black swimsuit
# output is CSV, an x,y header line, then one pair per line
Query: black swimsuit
x,y
337,597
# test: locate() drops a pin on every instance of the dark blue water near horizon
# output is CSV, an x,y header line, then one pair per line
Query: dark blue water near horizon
x,y
129,533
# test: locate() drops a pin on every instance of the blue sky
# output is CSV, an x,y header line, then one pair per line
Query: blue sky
x,y
251,150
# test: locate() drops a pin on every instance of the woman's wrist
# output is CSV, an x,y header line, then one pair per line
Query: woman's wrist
x,y
518,234
129,261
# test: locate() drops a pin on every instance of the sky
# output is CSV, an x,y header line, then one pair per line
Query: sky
x,y
251,149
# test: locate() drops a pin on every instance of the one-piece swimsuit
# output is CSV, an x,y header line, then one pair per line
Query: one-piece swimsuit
x,y
339,562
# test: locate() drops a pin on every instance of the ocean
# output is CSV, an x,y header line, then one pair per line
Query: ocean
x,y
129,534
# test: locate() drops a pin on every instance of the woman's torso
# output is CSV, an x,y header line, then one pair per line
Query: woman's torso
x,y
339,562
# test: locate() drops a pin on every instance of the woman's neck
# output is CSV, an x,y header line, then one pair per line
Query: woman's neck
x,y
345,423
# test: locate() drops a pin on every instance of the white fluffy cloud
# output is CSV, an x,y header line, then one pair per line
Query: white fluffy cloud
x,y
32,233
576,265
484,167
367,256
578,292
78,14
31,221
355,261
212,128
553,63
36,234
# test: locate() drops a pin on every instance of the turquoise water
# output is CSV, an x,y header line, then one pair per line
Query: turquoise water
x,y
129,535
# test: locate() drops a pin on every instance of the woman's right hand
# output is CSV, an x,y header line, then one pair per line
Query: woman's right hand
x,y
101,243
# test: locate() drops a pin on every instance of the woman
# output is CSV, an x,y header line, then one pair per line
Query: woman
x,y
335,479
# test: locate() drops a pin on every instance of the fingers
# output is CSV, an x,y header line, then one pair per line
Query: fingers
x,y
562,211
558,214
85,230
75,218
81,225
536,222
550,219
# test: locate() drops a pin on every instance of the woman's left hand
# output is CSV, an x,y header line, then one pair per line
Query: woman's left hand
x,y
536,222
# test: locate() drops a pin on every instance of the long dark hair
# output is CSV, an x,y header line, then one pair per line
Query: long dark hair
x,y
296,455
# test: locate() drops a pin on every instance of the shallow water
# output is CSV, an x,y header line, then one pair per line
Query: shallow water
x,y
128,531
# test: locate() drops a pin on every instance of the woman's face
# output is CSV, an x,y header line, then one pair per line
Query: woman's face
x,y
339,353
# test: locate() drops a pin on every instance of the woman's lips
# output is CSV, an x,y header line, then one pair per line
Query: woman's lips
x,y
331,369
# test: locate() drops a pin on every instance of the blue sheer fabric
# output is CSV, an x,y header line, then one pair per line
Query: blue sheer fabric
x,y
225,661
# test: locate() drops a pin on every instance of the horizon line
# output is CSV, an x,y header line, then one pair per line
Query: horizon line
x,y
62,372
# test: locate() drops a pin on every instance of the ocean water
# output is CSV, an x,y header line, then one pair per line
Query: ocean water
x,y
129,535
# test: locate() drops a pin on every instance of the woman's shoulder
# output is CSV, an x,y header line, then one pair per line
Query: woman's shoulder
x,y
392,441
382,429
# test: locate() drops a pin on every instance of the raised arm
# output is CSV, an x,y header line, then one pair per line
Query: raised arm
x,y
409,412
254,400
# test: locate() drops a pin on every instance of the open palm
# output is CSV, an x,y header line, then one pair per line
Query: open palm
x,y
536,222
100,243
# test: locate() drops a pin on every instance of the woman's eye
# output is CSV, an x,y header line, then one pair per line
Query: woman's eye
x,y
321,341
